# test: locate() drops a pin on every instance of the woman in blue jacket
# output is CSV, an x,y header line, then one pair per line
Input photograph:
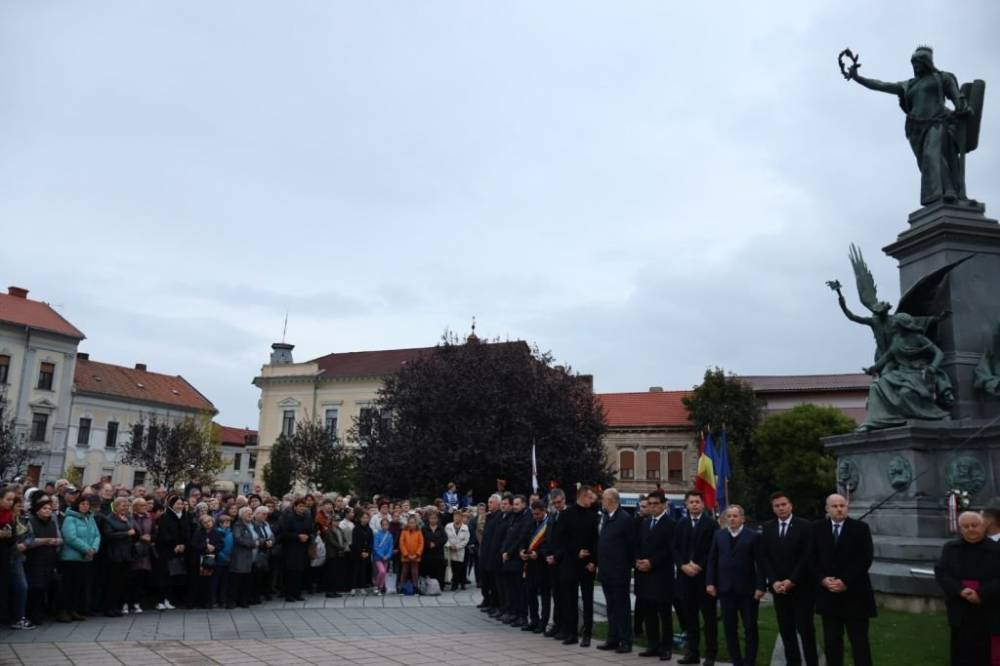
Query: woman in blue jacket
x,y
81,540
383,555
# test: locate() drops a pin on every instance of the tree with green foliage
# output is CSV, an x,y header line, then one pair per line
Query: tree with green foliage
x,y
174,451
723,400
469,412
278,473
320,459
15,449
792,458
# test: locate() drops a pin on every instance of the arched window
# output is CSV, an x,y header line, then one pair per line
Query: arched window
x,y
626,465
675,466
652,465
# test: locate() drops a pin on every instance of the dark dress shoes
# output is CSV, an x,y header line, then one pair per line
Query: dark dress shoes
x,y
608,646
623,649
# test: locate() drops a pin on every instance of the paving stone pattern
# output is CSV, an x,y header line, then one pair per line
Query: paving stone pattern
x,y
445,630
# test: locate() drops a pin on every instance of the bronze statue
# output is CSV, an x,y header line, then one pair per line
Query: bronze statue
x,y
939,136
910,385
987,375
881,320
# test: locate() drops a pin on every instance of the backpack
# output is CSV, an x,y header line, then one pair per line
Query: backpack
x,y
408,588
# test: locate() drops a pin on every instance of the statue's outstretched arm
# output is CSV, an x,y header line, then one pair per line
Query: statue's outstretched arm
x,y
880,363
880,86
867,321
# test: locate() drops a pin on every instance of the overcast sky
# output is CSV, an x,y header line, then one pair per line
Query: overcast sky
x,y
644,188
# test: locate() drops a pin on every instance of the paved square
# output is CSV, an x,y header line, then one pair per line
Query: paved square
x,y
354,630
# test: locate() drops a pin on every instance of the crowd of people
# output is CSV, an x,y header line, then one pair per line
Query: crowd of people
x,y
68,553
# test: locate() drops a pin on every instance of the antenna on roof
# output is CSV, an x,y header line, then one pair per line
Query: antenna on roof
x,y
284,330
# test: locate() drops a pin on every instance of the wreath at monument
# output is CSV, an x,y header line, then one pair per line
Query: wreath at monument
x,y
957,500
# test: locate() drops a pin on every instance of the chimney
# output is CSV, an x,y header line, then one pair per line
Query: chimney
x,y
140,366
82,356
656,389
17,292
281,353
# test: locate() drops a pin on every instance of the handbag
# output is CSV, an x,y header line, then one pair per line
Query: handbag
x,y
176,566
206,565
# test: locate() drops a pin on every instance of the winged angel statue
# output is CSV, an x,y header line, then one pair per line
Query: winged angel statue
x,y
910,384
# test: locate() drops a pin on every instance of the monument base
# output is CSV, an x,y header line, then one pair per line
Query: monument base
x,y
898,480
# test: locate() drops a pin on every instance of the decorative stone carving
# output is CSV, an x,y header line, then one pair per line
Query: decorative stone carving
x,y
966,473
900,473
848,475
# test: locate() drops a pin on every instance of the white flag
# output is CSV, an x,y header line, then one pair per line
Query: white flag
x,y
534,470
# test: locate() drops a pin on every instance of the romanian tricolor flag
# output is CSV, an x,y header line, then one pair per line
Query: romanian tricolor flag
x,y
704,482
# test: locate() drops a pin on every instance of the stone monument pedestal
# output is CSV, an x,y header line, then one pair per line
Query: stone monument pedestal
x,y
898,479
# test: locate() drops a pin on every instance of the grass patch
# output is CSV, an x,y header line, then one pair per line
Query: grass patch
x,y
897,638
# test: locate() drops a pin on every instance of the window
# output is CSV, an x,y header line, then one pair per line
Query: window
x,y
83,433
675,466
34,474
385,422
237,461
111,439
45,374
39,427
331,422
251,462
652,465
151,437
4,368
626,465
288,423
365,418
138,479
78,472
137,432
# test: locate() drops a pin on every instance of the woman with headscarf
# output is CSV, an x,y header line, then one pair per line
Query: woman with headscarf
x,y
81,541
118,534
42,560
142,563
361,553
172,537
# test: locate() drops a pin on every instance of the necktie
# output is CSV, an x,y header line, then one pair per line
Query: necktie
x,y
784,526
653,524
836,533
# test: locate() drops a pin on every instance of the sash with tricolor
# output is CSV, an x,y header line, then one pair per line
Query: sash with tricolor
x,y
539,537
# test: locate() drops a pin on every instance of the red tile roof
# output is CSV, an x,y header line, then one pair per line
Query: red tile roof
x,y
37,315
652,408
234,436
377,363
139,385
787,383
368,363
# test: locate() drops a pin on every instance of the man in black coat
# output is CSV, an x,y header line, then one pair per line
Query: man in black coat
x,y
692,541
550,549
615,559
654,577
495,555
842,554
512,568
785,546
736,577
487,571
969,574
577,547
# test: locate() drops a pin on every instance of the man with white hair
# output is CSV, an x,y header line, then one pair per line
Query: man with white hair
x,y
969,574
842,555
615,559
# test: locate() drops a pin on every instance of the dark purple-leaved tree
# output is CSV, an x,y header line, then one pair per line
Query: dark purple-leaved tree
x,y
469,412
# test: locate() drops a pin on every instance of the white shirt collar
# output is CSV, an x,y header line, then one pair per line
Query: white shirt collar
x,y
786,521
995,537
612,514
736,533
662,513
836,524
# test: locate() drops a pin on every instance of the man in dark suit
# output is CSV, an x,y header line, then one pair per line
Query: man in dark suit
x,y
536,571
577,547
503,524
785,546
969,574
842,555
615,559
654,577
736,577
550,549
513,565
487,566
692,541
